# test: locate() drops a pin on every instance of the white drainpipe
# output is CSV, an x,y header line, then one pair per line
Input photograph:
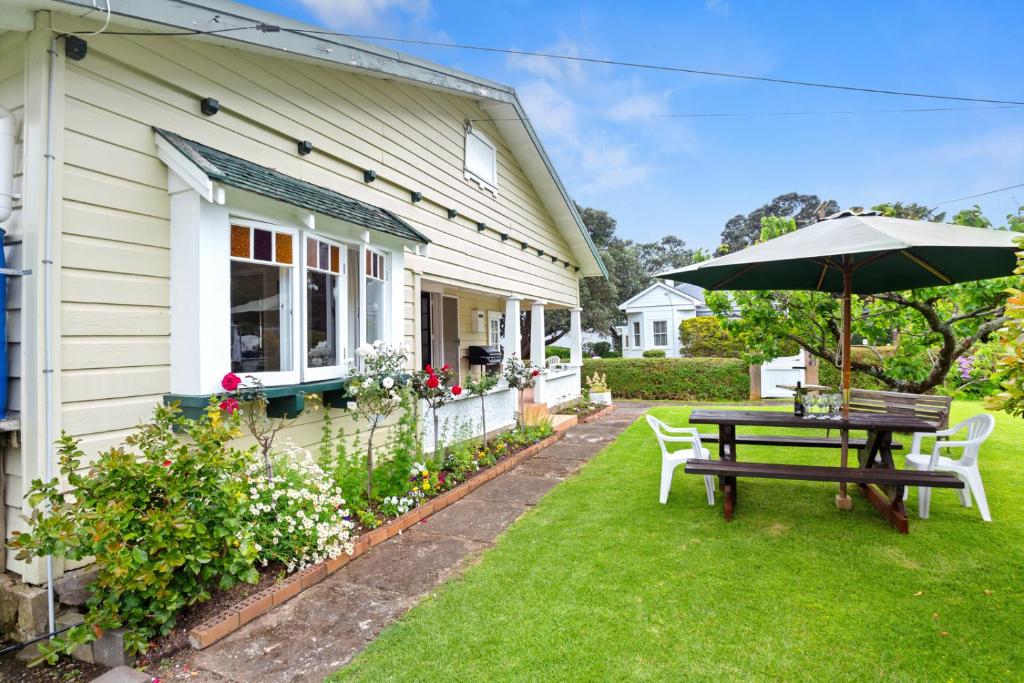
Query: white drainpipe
x,y
8,139
47,267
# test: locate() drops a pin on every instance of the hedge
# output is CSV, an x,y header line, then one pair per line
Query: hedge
x,y
680,379
653,353
563,352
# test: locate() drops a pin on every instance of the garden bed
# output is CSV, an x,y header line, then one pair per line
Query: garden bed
x,y
229,619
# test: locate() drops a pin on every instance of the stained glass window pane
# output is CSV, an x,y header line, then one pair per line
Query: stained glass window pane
x,y
262,241
284,247
325,256
239,241
311,252
335,259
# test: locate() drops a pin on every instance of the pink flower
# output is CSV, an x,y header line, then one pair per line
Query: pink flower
x,y
229,405
456,390
230,381
432,381
534,373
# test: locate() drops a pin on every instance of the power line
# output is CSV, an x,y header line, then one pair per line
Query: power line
x,y
659,67
980,194
754,114
272,28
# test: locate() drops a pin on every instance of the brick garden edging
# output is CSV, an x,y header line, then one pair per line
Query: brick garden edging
x,y
258,604
599,414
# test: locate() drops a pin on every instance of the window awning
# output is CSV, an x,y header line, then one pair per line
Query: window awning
x,y
234,171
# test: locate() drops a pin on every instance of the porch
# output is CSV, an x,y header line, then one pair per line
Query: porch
x,y
451,319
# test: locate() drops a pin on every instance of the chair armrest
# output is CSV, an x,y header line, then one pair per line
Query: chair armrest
x,y
680,439
915,445
680,430
956,444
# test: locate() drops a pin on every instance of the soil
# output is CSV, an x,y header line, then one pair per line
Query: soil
x,y
66,671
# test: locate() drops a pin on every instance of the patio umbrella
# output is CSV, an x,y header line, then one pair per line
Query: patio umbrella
x,y
859,253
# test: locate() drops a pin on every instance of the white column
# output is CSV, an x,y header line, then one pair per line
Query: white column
x,y
511,340
575,337
537,350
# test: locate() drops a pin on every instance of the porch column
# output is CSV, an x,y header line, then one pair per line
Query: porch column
x,y
575,337
511,340
537,350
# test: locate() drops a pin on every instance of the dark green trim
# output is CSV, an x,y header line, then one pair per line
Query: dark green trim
x,y
287,401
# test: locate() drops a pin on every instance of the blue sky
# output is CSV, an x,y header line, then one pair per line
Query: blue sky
x,y
604,128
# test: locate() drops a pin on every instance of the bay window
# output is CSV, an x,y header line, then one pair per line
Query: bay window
x,y
324,324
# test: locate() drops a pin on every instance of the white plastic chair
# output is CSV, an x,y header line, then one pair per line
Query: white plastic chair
x,y
672,459
978,429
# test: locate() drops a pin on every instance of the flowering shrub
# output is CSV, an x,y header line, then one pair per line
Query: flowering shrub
x,y
479,387
377,391
394,506
299,516
520,376
972,376
597,383
432,387
164,517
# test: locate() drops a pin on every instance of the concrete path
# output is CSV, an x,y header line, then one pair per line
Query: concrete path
x,y
321,629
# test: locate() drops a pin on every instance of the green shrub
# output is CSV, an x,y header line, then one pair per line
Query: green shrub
x,y
654,353
706,337
601,348
166,519
562,352
831,375
686,379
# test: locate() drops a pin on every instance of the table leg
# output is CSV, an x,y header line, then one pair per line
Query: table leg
x,y
843,501
727,451
892,508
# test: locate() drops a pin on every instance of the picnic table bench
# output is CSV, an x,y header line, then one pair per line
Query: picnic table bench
x,y
876,474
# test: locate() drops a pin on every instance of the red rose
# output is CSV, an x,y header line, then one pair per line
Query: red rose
x,y
534,373
230,381
445,368
167,463
229,405
429,369
456,390
432,382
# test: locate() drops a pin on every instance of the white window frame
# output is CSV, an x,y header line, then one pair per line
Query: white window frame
x,y
655,333
341,319
385,317
494,317
489,184
638,342
295,319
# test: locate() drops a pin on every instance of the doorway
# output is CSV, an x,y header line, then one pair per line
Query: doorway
x,y
439,331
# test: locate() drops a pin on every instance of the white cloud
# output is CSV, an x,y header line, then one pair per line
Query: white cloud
x,y
365,14
719,7
639,106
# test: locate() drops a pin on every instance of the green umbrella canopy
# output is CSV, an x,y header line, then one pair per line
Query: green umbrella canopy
x,y
882,254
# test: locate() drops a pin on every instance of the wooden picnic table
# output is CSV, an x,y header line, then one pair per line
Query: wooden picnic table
x,y
876,473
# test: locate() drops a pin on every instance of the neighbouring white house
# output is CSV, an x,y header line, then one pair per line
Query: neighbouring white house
x,y
260,200
653,317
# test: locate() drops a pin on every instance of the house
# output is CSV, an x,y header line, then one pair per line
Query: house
x,y
263,200
653,317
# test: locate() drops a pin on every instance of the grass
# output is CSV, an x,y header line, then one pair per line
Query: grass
x,y
601,582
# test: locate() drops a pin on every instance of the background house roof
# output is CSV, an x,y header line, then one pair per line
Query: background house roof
x,y
294,40
245,175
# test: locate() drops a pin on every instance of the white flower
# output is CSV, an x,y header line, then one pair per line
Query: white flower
x,y
364,349
388,382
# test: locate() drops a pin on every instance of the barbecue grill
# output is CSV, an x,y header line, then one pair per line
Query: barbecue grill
x,y
484,355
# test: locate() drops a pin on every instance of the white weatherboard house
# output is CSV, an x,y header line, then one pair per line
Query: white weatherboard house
x,y
653,317
257,201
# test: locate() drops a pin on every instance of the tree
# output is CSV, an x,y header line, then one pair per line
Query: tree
x,y
928,329
1009,375
742,231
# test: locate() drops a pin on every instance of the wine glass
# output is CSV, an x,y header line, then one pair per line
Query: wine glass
x,y
836,400
812,401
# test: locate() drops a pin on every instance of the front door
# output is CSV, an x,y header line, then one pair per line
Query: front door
x,y
450,342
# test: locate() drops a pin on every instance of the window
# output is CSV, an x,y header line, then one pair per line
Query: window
x,y
323,293
261,300
376,293
481,160
661,333
636,335
493,328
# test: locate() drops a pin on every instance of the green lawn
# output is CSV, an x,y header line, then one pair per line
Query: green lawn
x,y
601,582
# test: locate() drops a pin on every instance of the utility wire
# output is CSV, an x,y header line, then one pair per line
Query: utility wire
x,y
980,194
272,28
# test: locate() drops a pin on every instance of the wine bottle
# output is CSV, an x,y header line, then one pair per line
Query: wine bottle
x,y
798,401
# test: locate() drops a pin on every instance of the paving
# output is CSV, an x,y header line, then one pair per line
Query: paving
x,y
322,628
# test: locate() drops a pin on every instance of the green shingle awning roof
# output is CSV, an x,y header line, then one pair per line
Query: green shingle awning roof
x,y
245,175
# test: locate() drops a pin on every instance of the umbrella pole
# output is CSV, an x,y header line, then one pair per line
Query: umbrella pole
x,y
843,501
